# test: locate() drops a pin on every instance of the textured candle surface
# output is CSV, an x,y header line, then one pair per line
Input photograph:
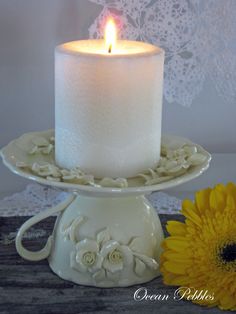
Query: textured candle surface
x,y
108,107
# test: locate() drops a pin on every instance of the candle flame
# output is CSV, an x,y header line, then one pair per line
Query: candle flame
x,y
110,35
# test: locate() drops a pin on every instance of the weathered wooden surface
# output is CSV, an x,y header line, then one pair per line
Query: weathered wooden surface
x,y
31,287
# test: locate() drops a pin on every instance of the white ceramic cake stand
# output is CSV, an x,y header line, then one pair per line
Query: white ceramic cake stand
x,y
105,237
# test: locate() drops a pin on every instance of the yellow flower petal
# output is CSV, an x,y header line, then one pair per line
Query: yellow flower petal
x,y
227,302
202,200
191,215
169,255
231,203
175,268
220,187
231,187
176,228
177,243
187,204
217,200
175,280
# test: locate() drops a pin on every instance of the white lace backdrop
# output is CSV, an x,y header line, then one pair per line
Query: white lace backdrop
x,y
199,37
36,198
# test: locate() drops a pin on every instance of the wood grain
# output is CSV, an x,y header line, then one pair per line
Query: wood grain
x,y
30,287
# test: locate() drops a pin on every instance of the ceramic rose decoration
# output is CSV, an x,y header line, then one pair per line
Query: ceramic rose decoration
x,y
106,258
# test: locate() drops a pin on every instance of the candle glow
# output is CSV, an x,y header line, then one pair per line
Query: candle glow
x,y
110,35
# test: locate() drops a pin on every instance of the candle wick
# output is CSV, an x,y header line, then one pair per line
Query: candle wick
x,y
109,48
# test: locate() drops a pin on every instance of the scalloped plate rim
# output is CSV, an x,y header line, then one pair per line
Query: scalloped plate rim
x,y
105,191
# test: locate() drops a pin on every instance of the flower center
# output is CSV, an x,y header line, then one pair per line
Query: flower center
x,y
228,253
115,257
89,258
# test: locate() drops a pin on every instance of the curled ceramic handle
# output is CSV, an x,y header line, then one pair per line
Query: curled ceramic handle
x,y
44,252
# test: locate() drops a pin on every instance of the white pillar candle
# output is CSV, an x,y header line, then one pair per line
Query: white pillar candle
x,y
108,107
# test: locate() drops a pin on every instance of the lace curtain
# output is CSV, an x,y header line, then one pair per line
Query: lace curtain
x,y
198,37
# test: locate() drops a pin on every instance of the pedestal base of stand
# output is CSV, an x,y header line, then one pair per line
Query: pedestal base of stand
x,y
103,242
109,241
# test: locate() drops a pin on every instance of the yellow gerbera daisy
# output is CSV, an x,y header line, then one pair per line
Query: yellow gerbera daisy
x,y
201,252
